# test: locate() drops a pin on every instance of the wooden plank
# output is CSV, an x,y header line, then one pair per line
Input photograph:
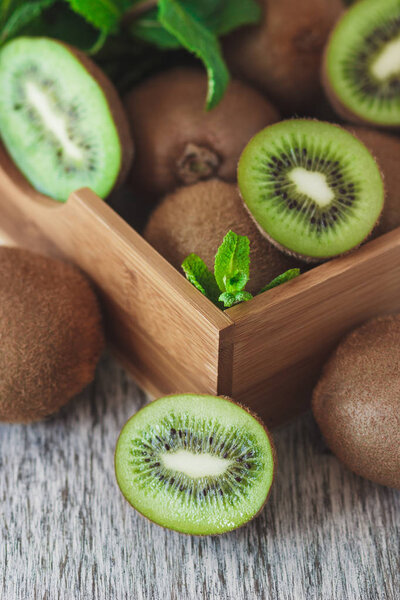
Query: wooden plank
x,y
66,532
283,336
167,332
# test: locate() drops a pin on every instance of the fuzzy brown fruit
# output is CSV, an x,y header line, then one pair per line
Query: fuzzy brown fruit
x,y
177,142
196,218
357,401
386,150
51,334
282,55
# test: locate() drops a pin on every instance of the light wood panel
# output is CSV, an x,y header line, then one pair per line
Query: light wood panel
x,y
283,336
167,333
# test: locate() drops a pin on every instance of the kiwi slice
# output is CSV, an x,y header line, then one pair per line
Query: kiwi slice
x,y
61,119
362,63
194,463
313,188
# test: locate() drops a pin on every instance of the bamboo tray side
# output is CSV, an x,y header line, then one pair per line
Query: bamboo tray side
x,y
266,353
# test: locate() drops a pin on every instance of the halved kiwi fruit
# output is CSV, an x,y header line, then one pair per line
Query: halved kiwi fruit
x,y
61,119
362,63
194,463
313,188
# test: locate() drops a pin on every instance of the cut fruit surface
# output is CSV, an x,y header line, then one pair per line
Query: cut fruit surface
x,y
194,463
362,63
57,122
313,189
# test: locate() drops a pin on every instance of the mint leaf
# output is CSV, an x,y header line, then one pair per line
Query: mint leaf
x,y
223,16
229,298
196,38
103,14
287,276
22,16
149,29
198,274
232,263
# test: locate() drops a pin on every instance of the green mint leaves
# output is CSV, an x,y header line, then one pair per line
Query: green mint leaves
x,y
231,268
198,274
231,272
194,25
287,276
199,40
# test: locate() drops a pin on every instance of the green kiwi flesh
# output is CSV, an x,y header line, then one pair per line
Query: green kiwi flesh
x,y
357,401
362,63
313,189
51,334
60,118
195,463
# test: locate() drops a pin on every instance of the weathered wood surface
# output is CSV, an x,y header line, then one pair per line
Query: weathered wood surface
x,y
67,533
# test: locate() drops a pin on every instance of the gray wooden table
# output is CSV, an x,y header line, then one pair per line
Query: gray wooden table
x,y
67,533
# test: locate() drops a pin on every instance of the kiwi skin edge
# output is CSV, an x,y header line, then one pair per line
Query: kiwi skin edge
x,y
274,462
315,259
116,108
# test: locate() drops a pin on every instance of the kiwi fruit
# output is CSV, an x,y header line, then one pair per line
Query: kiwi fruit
x,y
357,401
195,463
178,142
361,69
282,55
386,150
51,334
314,189
61,119
196,218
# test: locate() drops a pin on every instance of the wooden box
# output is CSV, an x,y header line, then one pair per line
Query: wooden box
x,y
266,353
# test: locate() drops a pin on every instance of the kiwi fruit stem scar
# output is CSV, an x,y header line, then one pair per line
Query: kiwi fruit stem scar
x,y
313,189
61,119
195,463
361,67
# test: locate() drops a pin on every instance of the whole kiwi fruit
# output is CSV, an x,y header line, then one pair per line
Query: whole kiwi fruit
x,y
357,401
282,55
386,150
178,142
196,218
51,334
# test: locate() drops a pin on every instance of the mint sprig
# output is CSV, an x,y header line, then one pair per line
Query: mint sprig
x,y
198,274
287,276
227,284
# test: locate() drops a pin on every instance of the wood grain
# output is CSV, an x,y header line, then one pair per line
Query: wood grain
x,y
283,337
67,533
266,353
165,331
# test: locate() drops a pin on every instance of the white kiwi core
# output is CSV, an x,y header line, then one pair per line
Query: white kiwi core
x,y
195,465
312,184
387,62
54,122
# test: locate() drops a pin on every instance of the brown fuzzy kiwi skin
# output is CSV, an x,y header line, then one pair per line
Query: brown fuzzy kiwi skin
x,y
274,460
51,335
282,55
116,108
357,401
196,218
173,131
385,148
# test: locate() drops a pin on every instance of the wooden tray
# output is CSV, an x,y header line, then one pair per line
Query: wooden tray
x,y
266,353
